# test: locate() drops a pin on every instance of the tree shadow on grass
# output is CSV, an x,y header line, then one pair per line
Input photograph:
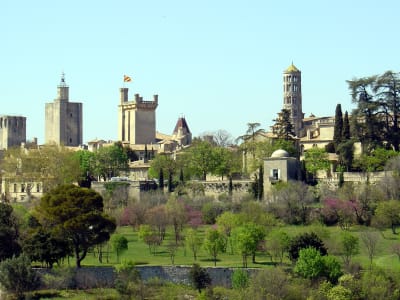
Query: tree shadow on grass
x,y
209,260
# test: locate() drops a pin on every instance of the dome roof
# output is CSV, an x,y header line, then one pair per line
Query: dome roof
x,y
280,153
292,68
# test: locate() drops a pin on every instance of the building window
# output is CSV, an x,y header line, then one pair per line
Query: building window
x,y
38,188
15,187
22,188
275,174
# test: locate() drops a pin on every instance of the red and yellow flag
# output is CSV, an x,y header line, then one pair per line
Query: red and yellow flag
x,y
127,78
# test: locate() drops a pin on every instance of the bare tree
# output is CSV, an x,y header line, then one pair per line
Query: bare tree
x,y
370,240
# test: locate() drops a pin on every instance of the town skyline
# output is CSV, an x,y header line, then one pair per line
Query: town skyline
x,y
218,64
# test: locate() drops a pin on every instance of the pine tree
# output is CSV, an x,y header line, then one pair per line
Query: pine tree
x,y
283,127
338,129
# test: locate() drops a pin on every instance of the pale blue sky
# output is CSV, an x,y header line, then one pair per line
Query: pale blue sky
x,y
217,62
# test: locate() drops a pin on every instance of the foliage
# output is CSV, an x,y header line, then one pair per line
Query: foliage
x,y
316,159
375,160
148,235
338,129
17,276
370,240
199,277
350,247
128,281
211,211
214,243
311,264
339,211
269,285
177,216
9,234
278,244
52,165
305,240
77,214
162,163
110,161
193,241
283,126
46,246
119,244
387,214
240,279
200,159
247,239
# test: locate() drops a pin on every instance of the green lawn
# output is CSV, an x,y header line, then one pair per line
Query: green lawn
x,y
139,253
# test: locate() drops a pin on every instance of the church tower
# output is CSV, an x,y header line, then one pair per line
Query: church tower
x,y
292,97
136,119
63,119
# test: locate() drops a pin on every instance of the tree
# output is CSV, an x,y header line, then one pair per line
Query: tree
x,y
160,165
247,239
200,158
305,240
193,241
9,233
110,161
46,246
227,162
346,135
161,179
346,152
283,126
77,214
148,235
316,159
387,214
226,222
50,164
338,129
278,244
199,277
17,276
119,244
366,122
370,240
214,243
177,216
311,264
350,247
158,218
87,161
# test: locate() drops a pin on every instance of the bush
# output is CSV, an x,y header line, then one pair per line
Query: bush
x,y
17,276
240,279
128,281
199,277
305,240
60,278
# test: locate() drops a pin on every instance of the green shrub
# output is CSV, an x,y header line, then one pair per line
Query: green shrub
x,y
17,276
240,279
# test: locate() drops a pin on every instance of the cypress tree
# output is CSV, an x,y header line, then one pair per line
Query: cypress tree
x,y
260,185
338,129
181,178
146,154
161,179
169,182
346,126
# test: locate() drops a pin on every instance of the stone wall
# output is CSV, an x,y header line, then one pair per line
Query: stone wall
x,y
95,277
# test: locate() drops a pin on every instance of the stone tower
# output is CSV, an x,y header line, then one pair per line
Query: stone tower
x,y
136,119
292,97
12,131
182,132
63,119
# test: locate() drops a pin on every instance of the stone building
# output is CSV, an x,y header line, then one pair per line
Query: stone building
x,y
12,131
292,99
280,167
136,119
63,119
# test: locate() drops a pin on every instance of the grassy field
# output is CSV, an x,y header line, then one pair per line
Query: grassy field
x,y
139,253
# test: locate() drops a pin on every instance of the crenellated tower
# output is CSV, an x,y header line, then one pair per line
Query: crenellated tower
x,y
292,97
136,119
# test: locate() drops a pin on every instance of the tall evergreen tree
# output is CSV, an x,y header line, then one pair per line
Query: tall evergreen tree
x,y
283,126
338,129
161,179
346,127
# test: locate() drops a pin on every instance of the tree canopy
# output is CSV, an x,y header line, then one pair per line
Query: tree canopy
x,y
76,213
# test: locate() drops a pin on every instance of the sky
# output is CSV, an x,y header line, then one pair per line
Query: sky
x,y
218,63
